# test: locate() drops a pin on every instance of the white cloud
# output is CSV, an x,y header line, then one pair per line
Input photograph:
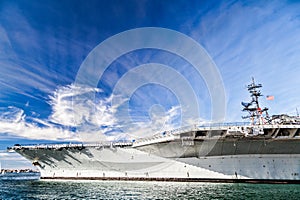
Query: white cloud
x,y
13,121
78,106
160,122
73,105
94,118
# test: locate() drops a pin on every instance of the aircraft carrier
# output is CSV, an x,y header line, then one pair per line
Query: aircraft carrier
x,y
267,149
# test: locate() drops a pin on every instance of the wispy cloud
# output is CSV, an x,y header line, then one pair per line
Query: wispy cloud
x,y
79,106
13,121
160,121
27,65
245,39
73,106
93,118
259,39
96,118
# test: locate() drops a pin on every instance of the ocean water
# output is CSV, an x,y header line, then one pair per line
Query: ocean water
x,y
144,190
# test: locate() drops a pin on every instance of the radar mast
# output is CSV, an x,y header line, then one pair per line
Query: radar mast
x,y
255,112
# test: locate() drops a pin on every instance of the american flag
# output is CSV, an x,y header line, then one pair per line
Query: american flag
x,y
270,97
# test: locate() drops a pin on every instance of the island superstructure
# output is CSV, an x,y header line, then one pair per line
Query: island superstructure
x,y
265,150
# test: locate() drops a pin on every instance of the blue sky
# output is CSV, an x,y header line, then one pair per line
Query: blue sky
x,y
43,46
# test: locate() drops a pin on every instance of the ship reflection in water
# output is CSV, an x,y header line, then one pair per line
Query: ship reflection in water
x,y
23,174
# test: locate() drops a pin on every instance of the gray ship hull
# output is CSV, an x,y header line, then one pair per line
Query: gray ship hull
x,y
190,155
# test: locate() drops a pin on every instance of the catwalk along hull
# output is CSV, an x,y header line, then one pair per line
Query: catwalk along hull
x,y
198,154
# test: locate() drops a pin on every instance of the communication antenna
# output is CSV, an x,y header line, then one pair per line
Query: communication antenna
x,y
253,108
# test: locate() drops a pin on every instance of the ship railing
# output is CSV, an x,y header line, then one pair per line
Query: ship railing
x,y
109,144
206,126
154,139
227,124
170,134
71,145
212,126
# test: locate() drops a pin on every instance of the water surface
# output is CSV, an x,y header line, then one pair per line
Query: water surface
x,y
144,190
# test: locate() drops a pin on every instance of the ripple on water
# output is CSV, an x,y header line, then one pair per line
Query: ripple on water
x,y
143,190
